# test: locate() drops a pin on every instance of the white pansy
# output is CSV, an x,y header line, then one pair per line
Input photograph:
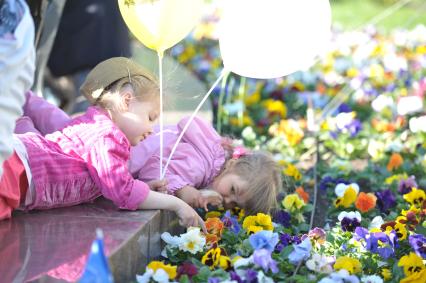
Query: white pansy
x,y
381,102
243,261
341,188
160,276
320,263
372,279
409,104
341,276
145,277
418,124
376,222
173,241
262,278
350,215
343,119
394,146
192,241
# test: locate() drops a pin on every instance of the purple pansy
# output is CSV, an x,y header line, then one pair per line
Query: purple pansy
x,y
404,186
385,200
418,243
349,224
264,240
285,240
378,242
263,259
231,222
301,252
282,217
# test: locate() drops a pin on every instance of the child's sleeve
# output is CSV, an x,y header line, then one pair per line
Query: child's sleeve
x,y
108,165
184,169
47,118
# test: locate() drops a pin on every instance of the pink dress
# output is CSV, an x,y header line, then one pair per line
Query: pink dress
x,y
85,159
198,158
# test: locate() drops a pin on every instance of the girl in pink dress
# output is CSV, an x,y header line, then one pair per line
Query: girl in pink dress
x,y
87,156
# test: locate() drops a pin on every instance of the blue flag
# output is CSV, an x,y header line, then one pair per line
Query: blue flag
x,y
97,269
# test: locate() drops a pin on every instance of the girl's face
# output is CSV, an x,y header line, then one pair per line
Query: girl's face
x,y
232,188
138,121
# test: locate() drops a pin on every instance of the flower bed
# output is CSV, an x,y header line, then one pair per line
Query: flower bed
x,y
374,215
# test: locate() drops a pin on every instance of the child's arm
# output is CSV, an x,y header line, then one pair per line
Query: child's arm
x,y
199,198
108,167
47,118
187,215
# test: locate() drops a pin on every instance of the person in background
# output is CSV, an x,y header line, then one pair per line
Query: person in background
x,y
89,32
17,63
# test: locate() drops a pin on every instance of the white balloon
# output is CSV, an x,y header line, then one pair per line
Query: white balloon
x,y
273,38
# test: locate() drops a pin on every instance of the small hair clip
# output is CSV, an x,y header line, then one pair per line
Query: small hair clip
x,y
128,72
239,151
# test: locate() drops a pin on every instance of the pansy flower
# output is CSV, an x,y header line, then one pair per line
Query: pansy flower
x,y
256,223
346,194
293,203
416,197
418,244
350,264
405,185
385,200
395,162
216,257
414,269
158,271
349,220
365,202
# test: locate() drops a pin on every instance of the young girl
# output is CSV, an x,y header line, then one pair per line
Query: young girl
x,y
203,159
88,156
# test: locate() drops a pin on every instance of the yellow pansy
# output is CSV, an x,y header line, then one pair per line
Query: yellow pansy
x,y
275,106
415,197
386,273
169,269
396,177
352,265
257,223
348,198
292,171
400,230
352,72
293,203
412,264
216,257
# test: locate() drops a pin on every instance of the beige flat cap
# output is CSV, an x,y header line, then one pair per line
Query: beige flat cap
x,y
108,72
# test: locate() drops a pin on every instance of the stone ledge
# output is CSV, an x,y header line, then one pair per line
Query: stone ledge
x,y
52,245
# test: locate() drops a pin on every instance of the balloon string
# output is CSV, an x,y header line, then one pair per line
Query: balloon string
x,y
160,75
224,72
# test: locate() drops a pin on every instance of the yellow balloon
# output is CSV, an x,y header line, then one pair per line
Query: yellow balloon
x,y
160,24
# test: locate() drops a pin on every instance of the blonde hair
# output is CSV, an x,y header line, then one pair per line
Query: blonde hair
x,y
143,88
263,177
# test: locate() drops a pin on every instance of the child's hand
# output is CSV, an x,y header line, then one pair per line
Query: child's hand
x,y
199,198
209,197
188,217
158,186
190,195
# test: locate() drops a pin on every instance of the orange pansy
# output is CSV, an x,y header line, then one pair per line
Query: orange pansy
x,y
395,161
365,202
214,226
304,195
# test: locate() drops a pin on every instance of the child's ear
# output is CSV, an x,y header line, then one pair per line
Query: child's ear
x,y
127,97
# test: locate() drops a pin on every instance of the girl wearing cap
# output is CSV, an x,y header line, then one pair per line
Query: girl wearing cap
x,y
88,157
203,159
